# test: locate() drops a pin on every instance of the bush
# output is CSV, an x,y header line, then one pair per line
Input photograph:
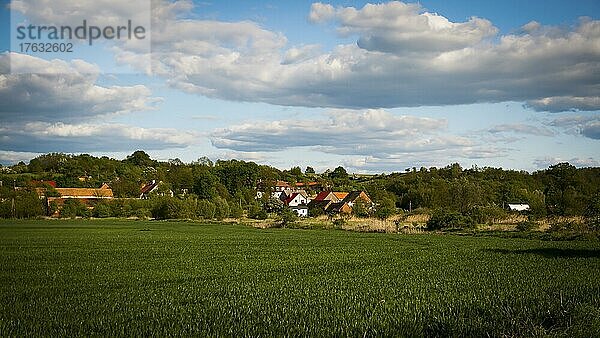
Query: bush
x,y
73,208
487,214
526,226
338,223
221,208
360,209
256,212
444,219
102,210
287,217
235,211
173,208
206,209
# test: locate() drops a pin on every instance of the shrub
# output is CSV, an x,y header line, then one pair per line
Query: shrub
x,y
235,211
256,212
526,226
102,210
287,217
73,208
221,208
168,208
486,214
338,223
444,219
360,209
206,209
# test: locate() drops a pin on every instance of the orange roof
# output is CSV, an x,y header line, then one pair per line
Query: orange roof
x,y
282,184
340,195
301,184
85,193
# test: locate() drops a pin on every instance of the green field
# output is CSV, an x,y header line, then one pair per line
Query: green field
x,y
132,278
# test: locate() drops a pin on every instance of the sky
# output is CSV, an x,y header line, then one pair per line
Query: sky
x,y
375,87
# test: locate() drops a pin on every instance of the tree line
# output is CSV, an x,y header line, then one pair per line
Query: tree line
x,y
228,187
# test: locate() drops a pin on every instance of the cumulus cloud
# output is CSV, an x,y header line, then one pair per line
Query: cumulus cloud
x,y
564,103
50,137
545,162
398,27
11,157
375,133
403,56
588,126
520,128
66,90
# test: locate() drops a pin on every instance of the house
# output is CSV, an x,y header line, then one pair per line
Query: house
x,y
339,208
301,210
156,187
340,195
295,200
518,207
88,196
281,186
327,196
355,196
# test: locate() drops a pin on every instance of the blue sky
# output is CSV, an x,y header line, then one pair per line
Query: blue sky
x,y
374,87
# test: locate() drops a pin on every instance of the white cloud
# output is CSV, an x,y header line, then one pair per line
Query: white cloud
x,y
565,103
372,133
545,162
66,90
588,126
398,27
387,67
51,137
404,56
11,157
520,128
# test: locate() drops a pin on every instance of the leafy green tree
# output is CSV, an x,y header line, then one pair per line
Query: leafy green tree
x,y
221,208
287,217
205,185
360,209
141,159
339,173
386,208
206,209
73,207
309,170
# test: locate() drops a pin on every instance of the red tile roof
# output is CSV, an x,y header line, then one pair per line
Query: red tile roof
x,y
322,195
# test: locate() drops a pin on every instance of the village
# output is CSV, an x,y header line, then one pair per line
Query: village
x,y
305,199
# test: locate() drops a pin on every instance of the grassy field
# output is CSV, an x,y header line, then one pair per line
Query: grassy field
x,y
132,278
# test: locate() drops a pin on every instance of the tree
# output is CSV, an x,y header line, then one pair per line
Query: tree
x,y
296,171
287,217
386,208
309,170
339,173
360,209
205,185
140,158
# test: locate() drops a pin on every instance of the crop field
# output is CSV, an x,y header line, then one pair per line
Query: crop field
x,y
140,278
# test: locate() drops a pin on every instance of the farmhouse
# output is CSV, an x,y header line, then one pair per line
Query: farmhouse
x,y
518,207
355,196
88,196
154,187
301,210
327,196
295,200
339,208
